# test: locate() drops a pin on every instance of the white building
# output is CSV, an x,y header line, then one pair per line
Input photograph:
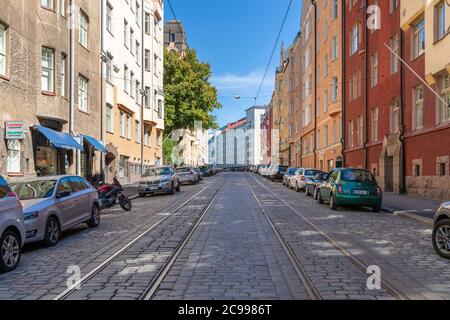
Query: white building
x,y
254,116
134,97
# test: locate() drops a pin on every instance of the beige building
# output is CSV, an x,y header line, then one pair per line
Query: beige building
x,y
49,94
328,106
133,87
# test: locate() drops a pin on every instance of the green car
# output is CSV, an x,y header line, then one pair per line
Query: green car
x,y
351,187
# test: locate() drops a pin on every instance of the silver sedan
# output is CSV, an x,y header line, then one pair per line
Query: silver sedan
x,y
52,205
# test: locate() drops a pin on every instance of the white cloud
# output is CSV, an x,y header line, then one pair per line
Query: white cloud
x,y
247,83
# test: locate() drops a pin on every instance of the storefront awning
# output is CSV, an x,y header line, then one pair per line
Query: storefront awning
x,y
95,143
59,139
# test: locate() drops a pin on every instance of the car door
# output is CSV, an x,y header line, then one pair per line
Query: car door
x,y
83,198
8,204
326,193
66,203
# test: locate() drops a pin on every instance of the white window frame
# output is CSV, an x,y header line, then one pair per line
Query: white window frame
x,y
83,93
418,100
84,29
13,156
48,70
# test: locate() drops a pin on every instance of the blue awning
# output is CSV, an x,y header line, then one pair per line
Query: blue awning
x,y
59,139
95,143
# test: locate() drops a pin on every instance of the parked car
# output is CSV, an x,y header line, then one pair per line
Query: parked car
x,y
187,175
312,181
288,173
159,180
52,205
206,171
298,180
277,173
351,187
199,174
441,231
12,228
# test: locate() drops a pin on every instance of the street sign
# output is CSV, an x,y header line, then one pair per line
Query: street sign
x,y
15,130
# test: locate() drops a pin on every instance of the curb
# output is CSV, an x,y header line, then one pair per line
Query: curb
x,y
408,215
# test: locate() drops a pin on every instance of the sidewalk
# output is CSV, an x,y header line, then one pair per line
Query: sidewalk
x,y
131,191
411,207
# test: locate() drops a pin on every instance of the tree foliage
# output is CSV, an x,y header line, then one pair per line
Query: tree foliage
x,y
189,96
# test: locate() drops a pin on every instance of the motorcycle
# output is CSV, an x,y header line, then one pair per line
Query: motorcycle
x,y
109,194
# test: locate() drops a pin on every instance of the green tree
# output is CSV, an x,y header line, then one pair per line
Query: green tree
x,y
189,96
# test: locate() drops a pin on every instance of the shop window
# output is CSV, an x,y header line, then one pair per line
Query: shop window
x,y
13,162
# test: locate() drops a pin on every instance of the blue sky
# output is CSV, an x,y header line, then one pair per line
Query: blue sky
x,y
236,37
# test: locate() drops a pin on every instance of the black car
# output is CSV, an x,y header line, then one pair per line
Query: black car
x,y
277,173
313,182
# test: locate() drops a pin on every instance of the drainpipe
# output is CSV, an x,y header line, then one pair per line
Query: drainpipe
x,y
402,115
343,87
366,95
313,2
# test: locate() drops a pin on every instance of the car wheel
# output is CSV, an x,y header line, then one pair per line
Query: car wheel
x,y
52,232
441,238
94,221
307,191
179,187
172,189
319,197
316,193
333,205
297,188
9,251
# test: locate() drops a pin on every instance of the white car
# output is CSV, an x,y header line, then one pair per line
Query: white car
x,y
298,180
12,228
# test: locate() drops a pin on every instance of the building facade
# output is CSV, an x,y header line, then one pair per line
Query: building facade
x,y
254,116
133,87
49,88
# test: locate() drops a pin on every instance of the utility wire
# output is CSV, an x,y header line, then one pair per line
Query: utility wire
x,y
178,23
273,50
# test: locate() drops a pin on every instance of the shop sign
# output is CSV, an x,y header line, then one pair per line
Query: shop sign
x,y
15,130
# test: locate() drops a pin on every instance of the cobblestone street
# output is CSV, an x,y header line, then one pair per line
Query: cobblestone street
x,y
235,236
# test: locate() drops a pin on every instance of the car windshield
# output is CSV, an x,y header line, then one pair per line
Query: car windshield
x,y
35,189
312,173
282,168
157,172
357,176
292,171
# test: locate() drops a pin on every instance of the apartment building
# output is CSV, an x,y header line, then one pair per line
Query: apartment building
x,y
308,79
426,113
328,107
254,116
132,40
266,136
295,120
49,88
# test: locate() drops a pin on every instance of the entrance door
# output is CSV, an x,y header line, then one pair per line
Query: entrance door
x,y
389,174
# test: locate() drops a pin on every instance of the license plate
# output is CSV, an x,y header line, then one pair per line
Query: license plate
x,y
361,192
153,188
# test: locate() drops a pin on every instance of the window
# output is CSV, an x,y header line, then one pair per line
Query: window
x,y
147,23
160,109
128,127
109,118
393,5
2,49
122,124
125,33
147,60
137,132
62,7
442,169
325,66
354,40
374,76
360,131
417,170
158,138
138,10
334,48
394,125
125,79
335,88
334,9
394,57
418,41
138,96
351,137
132,40
84,26
374,131
63,75
132,92
325,133
13,161
83,93
439,24
109,17
172,37
418,107
138,53
325,101
47,69
147,97
48,4
444,113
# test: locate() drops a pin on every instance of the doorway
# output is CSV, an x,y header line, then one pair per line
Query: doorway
x,y
389,174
